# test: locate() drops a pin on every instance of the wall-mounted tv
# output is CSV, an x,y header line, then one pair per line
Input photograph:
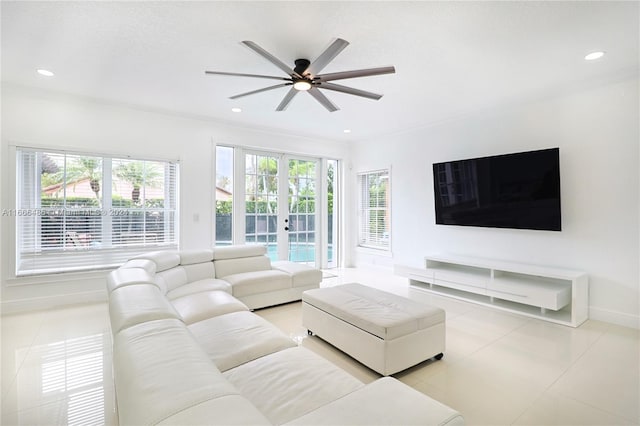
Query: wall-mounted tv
x,y
520,191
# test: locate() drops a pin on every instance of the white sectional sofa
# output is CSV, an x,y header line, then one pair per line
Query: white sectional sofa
x,y
242,270
187,351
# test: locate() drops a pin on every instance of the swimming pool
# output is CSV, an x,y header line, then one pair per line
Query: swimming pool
x,y
298,252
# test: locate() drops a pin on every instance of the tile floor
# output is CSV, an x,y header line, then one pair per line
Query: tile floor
x,y
498,369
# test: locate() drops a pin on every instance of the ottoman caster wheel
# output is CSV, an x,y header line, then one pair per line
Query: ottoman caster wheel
x,y
439,356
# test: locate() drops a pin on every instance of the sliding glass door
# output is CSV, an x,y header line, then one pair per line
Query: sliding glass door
x,y
301,220
285,202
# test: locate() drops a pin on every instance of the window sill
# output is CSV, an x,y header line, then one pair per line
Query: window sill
x,y
374,251
61,277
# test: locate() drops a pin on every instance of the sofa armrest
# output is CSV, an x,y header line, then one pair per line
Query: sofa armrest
x,y
134,304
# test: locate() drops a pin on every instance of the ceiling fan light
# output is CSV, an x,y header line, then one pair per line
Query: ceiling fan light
x,y
302,85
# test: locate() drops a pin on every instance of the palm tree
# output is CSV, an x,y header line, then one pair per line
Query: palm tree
x,y
81,168
138,173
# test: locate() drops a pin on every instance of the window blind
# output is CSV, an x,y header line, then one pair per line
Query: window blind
x,y
374,210
80,211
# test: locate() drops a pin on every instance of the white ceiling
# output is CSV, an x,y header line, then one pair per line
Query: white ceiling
x,y
451,58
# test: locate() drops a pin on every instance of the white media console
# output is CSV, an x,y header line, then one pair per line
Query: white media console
x,y
552,294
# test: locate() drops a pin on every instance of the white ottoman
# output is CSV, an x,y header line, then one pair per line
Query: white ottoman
x,y
385,332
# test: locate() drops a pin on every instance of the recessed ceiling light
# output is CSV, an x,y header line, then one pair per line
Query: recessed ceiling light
x,y
46,73
347,130
594,55
236,109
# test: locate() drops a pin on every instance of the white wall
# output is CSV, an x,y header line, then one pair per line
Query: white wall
x,y
47,120
597,132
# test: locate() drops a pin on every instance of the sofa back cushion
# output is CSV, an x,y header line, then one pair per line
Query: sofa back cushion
x,y
163,259
240,250
189,257
127,276
199,271
146,264
226,267
172,278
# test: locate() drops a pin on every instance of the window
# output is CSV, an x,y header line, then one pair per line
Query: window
x,y
224,195
262,188
374,222
84,211
332,212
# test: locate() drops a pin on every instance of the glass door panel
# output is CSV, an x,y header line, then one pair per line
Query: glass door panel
x,y
261,200
281,206
302,210
331,216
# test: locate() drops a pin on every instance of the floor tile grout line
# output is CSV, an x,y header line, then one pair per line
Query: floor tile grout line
x,y
547,391
575,361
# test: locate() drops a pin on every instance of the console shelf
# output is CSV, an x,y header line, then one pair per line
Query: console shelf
x,y
557,295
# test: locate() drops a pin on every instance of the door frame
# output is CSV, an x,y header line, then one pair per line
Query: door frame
x,y
321,225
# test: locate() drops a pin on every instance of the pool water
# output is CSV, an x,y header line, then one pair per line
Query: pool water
x,y
298,252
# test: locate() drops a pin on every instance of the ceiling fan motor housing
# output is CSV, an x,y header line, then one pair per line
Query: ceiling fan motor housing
x,y
301,65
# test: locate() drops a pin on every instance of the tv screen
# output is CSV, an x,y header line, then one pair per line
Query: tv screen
x,y
520,191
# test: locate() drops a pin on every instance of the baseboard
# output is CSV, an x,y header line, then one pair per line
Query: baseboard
x,y
613,317
51,302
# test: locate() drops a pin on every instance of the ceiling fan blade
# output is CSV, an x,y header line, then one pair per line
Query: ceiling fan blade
x,y
350,90
253,92
327,56
320,97
287,99
355,73
237,74
269,57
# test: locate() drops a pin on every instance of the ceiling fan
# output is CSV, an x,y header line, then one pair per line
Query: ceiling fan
x,y
304,76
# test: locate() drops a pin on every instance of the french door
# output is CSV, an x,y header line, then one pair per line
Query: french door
x,y
281,207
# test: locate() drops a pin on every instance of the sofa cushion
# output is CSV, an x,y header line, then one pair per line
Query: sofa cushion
x,y
247,283
226,267
301,275
127,276
163,259
135,304
199,271
209,284
201,306
173,278
237,251
287,384
409,407
239,337
226,410
146,264
189,257
160,370
160,283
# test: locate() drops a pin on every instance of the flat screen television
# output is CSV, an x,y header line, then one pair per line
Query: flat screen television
x,y
520,191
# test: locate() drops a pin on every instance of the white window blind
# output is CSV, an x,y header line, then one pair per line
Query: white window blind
x,y
84,211
374,210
